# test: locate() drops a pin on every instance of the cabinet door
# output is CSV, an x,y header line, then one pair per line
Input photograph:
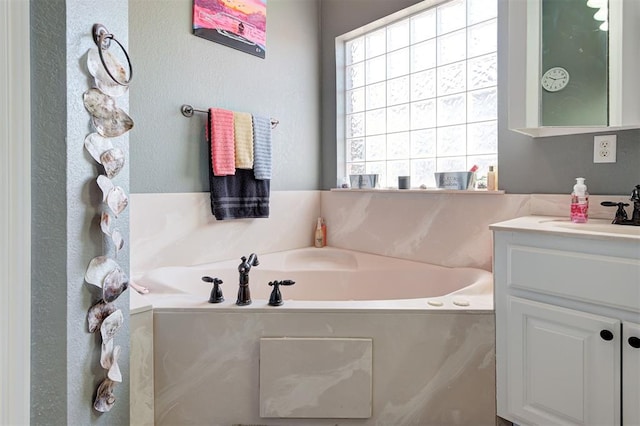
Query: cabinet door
x,y
563,366
631,374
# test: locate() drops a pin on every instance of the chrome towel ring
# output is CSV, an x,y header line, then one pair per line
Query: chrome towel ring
x,y
102,38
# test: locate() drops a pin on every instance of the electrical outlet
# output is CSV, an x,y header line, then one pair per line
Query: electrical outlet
x,y
604,149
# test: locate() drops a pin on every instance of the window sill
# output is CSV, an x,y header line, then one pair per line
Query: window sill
x,y
425,191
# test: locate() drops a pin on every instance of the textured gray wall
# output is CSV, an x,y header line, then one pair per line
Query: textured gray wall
x,y
48,213
526,165
174,67
66,235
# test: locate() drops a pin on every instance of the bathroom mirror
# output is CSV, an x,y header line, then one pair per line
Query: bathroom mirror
x,y
572,66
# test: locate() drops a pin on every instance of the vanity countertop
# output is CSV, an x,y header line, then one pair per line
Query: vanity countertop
x,y
593,229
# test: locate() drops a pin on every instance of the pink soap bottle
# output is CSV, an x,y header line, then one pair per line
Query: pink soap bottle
x,y
579,202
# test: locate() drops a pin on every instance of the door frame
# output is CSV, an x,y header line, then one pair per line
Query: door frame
x,y
15,212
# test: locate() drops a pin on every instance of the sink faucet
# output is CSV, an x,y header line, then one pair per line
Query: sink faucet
x,y
621,215
635,197
244,295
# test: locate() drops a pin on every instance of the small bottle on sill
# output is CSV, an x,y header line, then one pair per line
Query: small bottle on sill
x,y
492,179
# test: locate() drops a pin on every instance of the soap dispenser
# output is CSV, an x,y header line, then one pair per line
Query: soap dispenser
x,y
579,202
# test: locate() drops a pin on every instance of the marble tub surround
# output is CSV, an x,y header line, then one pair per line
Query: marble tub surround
x,y
448,229
178,229
429,368
367,358
141,361
431,365
444,229
319,378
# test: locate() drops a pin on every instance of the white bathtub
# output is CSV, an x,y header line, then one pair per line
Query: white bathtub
x,y
325,278
429,331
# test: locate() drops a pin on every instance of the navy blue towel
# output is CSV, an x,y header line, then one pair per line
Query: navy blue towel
x,y
239,196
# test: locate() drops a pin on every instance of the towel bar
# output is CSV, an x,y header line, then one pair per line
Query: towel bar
x,y
188,110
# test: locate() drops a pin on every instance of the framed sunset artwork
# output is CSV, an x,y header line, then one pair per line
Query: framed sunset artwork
x,y
240,24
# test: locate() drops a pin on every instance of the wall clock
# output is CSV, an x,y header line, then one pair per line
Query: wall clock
x,y
555,79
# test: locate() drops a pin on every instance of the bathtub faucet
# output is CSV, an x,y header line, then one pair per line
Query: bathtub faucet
x,y
244,295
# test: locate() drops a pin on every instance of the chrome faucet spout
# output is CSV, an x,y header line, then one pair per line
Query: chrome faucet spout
x,y
244,294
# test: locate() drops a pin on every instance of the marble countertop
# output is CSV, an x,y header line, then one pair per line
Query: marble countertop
x,y
594,228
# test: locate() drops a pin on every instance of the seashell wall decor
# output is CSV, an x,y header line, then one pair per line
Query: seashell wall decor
x,y
104,275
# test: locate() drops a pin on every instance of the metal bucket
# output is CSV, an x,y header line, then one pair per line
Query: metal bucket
x,y
455,180
364,181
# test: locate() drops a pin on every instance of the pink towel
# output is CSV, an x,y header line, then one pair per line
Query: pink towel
x,y
221,138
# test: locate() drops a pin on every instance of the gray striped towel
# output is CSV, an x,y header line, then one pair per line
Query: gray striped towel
x,y
239,196
261,147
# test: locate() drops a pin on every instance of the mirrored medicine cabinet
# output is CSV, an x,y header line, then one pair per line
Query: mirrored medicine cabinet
x,y
573,66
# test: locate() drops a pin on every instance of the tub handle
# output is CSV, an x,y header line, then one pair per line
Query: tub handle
x,y
276,297
216,291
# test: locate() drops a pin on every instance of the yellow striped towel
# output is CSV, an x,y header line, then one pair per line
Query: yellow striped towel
x,y
243,130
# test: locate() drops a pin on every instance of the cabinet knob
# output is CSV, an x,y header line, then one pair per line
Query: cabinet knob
x,y
634,342
606,335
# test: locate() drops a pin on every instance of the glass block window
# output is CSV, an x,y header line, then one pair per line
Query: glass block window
x,y
420,94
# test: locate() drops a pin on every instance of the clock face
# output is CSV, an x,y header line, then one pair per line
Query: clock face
x,y
555,79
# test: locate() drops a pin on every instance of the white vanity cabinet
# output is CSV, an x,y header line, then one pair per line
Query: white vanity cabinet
x,y
631,369
567,305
